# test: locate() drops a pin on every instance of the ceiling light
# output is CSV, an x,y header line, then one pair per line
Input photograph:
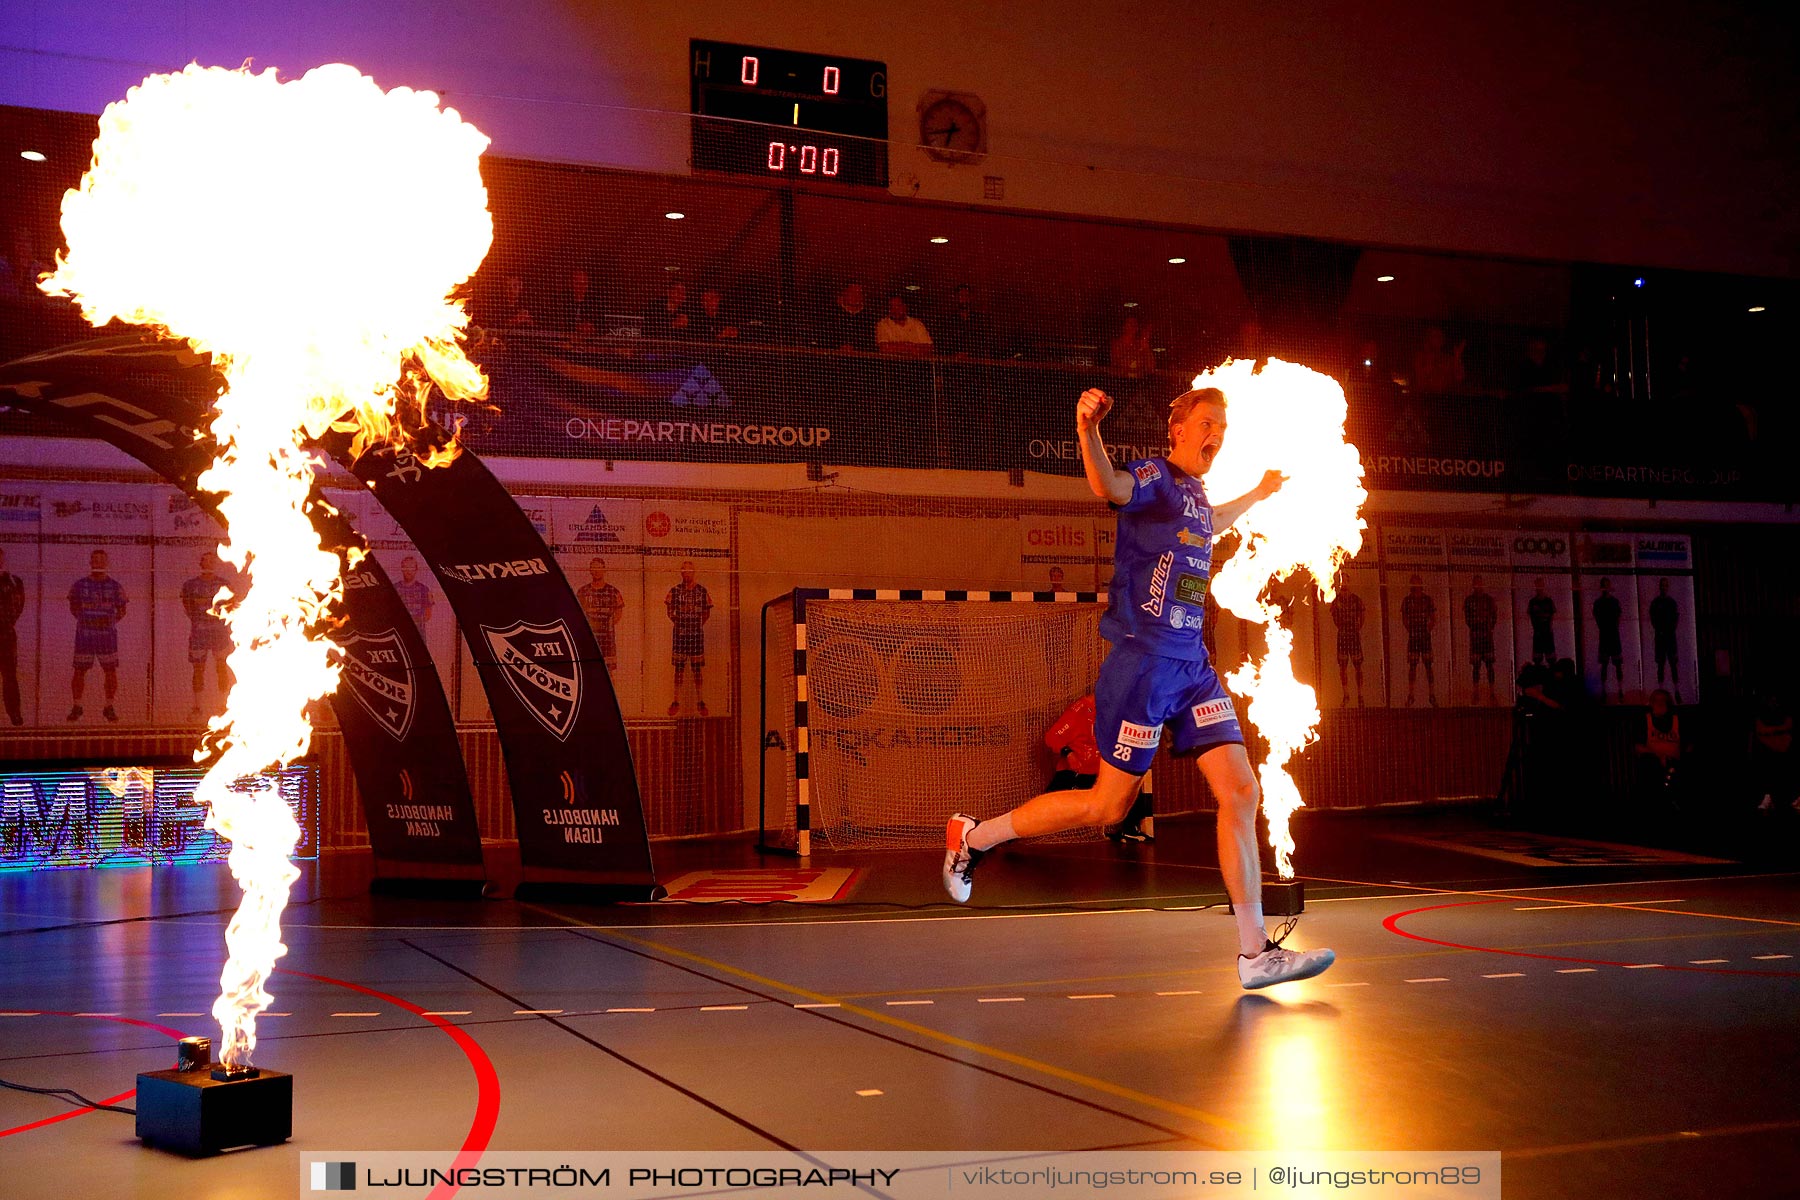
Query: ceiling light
x,y
1638,282
1131,304
1757,308
1384,279
1176,262
939,241
674,216
32,155
912,287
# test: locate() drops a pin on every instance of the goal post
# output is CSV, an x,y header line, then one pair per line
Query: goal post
x,y
885,710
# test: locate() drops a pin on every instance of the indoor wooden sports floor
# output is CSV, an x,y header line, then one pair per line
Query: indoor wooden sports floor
x,y
1621,1028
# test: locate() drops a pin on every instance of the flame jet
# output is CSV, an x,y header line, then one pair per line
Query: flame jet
x,y
308,235
1290,419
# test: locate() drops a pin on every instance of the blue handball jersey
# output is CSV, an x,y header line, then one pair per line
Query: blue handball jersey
x,y
1162,560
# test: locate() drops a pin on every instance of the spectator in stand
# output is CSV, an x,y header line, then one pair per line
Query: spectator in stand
x,y
1434,368
20,268
500,308
713,323
1130,352
1537,427
1252,342
846,323
512,311
901,333
673,320
964,332
1535,372
577,308
1774,770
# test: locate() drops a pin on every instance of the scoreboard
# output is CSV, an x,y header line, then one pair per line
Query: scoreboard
x,y
787,115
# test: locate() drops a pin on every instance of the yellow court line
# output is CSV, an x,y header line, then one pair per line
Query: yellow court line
x,y
1018,1060
1648,1139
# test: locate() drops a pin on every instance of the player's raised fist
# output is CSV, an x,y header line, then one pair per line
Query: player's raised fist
x,y
1093,405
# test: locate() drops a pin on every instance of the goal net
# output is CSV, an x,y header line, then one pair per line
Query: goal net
x,y
886,711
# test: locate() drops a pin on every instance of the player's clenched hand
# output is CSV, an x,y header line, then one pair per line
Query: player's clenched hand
x,y
1271,483
1093,405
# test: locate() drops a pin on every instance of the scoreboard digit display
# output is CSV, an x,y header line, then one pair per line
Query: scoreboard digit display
x,y
786,115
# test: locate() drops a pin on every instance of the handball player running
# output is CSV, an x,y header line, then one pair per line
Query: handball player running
x,y
1157,674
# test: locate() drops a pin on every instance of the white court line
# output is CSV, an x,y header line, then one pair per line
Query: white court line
x,y
1707,962
192,1014
1641,966
818,1006
20,1014
537,1012
1577,970
97,1014
270,1014
1416,892
1095,996
1769,957
1506,975
723,1007
1430,979
1001,1000
356,1014
613,1010
1361,983
446,1012
1105,912
1188,992
871,1092
908,1003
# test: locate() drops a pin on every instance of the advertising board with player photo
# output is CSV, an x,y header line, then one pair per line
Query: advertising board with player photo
x,y
599,545
687,587
1416,570
95,597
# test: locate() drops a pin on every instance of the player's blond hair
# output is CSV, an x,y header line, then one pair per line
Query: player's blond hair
x,y
1181,406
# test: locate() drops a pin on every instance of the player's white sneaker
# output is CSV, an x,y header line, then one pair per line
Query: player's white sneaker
x,y
960,859
1277,964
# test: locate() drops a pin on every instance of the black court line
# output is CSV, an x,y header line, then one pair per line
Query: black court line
x,y
827,1015
696,1097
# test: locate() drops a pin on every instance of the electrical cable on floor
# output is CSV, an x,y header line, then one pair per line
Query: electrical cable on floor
x,y
69,1097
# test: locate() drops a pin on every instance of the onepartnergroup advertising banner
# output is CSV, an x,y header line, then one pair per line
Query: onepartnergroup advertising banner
x,y
635,398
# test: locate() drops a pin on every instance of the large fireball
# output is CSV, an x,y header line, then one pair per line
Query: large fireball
x,y
309,235
1290,419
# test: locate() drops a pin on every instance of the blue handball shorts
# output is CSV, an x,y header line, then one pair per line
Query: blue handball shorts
x,y
1138,694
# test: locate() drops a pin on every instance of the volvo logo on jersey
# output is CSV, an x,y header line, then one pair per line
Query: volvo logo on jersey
x,y
380,675
539,664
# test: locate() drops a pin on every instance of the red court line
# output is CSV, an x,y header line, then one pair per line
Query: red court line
x,y
120,1098
1392,925
487,1080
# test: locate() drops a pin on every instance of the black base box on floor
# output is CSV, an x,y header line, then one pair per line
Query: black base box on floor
x,y
1281,898
191,1112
